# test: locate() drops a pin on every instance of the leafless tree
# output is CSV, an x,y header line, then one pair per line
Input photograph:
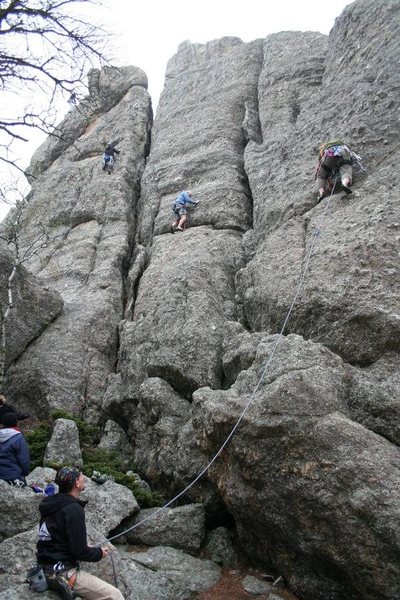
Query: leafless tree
x,y
45,53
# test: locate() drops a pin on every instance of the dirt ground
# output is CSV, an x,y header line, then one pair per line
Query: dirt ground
x,y
229,587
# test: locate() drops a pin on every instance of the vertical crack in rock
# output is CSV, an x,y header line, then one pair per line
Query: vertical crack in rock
x,y
183,286
280,176
185,153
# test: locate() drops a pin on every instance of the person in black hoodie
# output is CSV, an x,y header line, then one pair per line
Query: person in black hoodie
x,y
63,542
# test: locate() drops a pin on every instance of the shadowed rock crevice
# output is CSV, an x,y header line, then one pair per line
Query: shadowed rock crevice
x,y
184,386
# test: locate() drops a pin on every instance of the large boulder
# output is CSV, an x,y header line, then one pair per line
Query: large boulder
x,y
187,572
63,447
108,504
182,527
165,445
19,509
305,484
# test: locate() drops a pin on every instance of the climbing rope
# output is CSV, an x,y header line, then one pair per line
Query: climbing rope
x,y
315,237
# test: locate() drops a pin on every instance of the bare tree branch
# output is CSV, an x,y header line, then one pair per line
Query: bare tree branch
x,y
45,52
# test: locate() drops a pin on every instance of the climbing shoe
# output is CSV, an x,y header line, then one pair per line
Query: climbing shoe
x,y
59,583
320,197
347,189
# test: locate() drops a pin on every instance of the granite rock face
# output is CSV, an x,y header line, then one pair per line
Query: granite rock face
x,y
27,502
312,490
349,300
35,306
177,337
90,217
182,527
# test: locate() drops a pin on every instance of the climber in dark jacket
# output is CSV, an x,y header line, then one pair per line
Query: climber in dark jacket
x,y
14,451
8,408
335,157
109,156
63,541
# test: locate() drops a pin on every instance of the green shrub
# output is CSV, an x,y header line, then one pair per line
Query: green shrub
x,y
94,459
37,440
108,462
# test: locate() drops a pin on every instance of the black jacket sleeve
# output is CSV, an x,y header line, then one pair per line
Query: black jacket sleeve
x,y
77,537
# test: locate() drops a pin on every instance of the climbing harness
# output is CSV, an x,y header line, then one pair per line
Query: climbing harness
x,y
260,382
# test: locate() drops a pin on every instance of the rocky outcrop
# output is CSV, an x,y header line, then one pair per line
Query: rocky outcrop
x,y
90,218
182,527
191,574
177,337
349,300
16,520
161,573
63,447
306,483
35,306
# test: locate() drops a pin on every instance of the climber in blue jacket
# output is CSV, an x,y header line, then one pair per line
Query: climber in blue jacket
x,y
14,452
180,211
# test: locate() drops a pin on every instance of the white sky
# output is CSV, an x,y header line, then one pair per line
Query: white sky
x,y
148,34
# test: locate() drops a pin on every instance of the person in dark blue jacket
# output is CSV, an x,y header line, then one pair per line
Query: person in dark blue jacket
x,y
63,542
180,211
14,451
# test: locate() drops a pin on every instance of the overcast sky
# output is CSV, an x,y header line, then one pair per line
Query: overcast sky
x,y
148,34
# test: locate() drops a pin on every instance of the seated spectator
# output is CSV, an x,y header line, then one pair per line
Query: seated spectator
x,y
14,452
8,408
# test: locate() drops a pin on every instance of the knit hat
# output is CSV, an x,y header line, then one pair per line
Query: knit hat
x,y
9,420
66,478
